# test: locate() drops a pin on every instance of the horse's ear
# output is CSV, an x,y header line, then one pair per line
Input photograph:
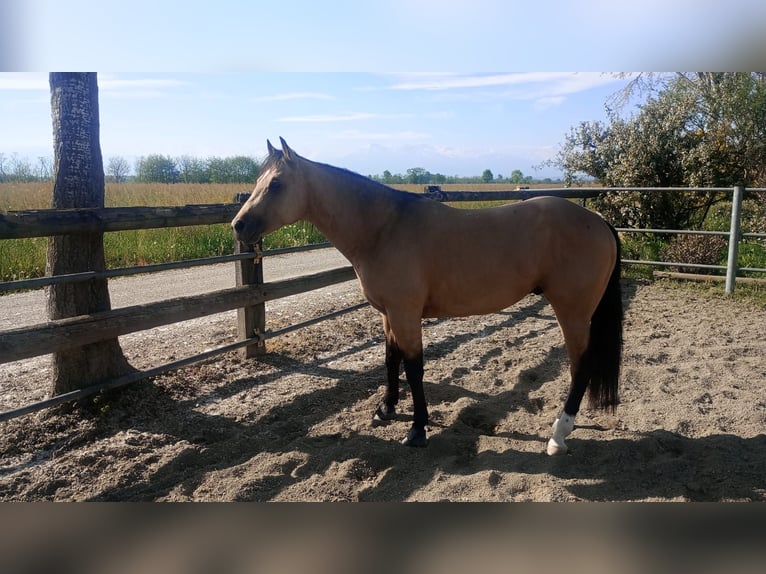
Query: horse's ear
x,y
270,147
286,151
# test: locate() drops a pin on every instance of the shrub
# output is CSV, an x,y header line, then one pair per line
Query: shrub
x,y
701,249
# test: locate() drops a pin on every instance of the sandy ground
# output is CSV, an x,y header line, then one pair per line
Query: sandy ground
x,y
296,425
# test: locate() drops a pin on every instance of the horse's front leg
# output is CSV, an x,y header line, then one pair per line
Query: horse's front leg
x,y
405,343
386,410
413,368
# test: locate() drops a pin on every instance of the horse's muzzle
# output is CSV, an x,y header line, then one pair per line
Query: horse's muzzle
x,y
248,232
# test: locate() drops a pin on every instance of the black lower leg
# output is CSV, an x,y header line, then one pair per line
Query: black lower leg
x,y
393,363
387,409
414,371
580,380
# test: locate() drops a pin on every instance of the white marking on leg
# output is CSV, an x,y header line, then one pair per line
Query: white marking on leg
x,y
562,427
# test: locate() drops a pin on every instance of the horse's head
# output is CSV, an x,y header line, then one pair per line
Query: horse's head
x,y
279,197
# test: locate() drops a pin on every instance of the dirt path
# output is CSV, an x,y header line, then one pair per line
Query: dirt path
x,y
28,308
297,424
22,382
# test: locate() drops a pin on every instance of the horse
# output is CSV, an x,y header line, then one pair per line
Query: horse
x,y
417,258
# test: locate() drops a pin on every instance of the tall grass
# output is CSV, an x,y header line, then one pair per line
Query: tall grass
x,y
22,258
25,258
149,246
38,195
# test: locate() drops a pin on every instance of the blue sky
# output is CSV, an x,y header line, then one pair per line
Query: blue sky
x,y
368,85
446,123
381,35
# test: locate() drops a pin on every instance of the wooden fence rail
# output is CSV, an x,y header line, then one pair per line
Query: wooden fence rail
x,y
45,222
63,334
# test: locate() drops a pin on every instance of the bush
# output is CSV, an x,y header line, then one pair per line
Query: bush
x,y
701,249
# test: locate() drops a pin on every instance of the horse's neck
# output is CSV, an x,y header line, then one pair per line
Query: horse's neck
x,y
347,209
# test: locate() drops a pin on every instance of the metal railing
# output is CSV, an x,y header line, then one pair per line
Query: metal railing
x,y
734,235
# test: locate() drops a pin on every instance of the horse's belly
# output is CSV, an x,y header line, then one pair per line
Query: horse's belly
x,y
470,298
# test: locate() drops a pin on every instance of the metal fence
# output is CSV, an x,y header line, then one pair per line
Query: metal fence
x,y
734,235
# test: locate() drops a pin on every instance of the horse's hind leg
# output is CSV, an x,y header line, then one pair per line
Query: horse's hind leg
x,y
564,424
386,411
576,334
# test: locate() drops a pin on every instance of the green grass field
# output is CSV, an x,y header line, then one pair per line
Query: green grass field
x,y
25,258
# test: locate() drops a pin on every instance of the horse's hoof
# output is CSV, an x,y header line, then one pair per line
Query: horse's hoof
x,y
556,448
416,437
384,414
562,428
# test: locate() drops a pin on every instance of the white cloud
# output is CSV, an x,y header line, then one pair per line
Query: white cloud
x,y
460,81
138,88
110,83
24,81
548,88
405,135
344,117
294,96
545,103
126,87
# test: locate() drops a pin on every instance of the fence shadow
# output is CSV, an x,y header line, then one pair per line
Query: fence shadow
x,y
218,442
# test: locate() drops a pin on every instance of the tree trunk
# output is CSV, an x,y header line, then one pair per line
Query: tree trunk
x,y
78,182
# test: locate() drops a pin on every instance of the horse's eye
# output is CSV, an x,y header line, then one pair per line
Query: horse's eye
x,y
275,185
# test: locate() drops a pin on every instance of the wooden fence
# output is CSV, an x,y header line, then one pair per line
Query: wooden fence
x,y
248,297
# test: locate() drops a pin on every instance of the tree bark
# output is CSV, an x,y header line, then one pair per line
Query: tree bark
x,y
78,182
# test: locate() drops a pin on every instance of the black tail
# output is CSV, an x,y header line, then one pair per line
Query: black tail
x,y
604,351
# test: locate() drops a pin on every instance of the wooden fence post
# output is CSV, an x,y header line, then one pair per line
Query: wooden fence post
x,y
734,233
250,320
78,182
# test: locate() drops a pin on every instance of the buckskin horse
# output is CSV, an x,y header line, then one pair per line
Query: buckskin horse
x,y
417,258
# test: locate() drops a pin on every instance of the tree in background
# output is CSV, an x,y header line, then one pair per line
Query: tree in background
x,y
237,169
44,168
15,168
117,169
486,176
517,176
701,129
244,169
192,169
188,169
21,170
418,175
157,168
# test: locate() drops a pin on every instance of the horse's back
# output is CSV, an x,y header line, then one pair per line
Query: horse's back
x,y
463,262
523,235
486,260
